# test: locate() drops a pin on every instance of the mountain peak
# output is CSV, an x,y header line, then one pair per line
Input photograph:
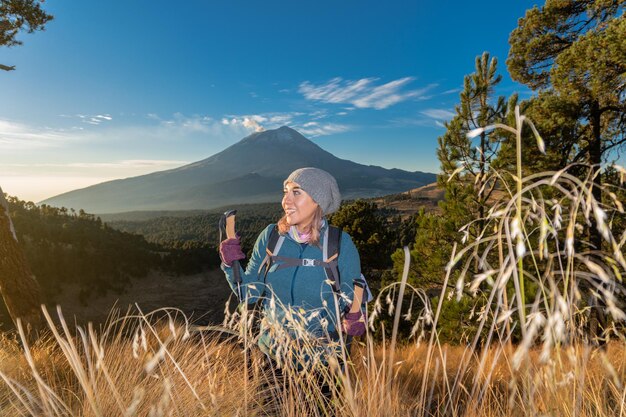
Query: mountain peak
x,y
283,134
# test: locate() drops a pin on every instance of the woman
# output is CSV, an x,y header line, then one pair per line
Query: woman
x,y
296,294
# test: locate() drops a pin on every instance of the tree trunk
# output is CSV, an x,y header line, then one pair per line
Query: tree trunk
x,y
597,319
595,160
19,289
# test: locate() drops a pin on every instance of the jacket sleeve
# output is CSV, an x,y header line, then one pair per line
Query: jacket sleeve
x,y
252,285
349,269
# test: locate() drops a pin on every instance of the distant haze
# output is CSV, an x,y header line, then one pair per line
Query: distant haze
x,y
250,171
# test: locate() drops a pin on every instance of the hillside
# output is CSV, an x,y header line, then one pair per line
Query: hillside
x,y
411,201
76,258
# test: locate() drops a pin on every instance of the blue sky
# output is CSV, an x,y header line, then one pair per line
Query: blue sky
x,y
122,88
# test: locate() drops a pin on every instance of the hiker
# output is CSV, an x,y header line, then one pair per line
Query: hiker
x,y
298,289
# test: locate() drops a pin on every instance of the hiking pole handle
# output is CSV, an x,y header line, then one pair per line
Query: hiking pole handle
x,y
228,224
357,299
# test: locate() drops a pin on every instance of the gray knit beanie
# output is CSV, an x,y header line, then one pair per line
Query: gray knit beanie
x,y
320,185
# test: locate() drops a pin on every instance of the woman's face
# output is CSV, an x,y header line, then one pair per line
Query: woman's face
x,y
299,206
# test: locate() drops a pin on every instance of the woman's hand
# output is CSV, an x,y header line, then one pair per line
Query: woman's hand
x,y
354,324
230,251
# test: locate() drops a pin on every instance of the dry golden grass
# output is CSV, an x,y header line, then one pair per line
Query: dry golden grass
x,y
116,374
144,366
581,378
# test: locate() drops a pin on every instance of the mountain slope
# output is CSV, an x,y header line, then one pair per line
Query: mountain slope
x,y
250,171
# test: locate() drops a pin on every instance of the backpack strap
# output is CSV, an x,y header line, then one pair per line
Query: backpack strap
x,y
274,244
330,251
284,262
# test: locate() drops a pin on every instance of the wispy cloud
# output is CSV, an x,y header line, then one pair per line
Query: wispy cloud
x,y
180,126
251,122
153,129
314,129
438,114
363,93
16,136
95,119
309,124
261,122
188,124
19,136
319,114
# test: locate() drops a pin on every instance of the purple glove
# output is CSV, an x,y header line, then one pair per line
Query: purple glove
x,y
230,251
354,324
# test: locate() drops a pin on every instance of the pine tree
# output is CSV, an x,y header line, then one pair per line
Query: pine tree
x,y
466,176
19,16
465,169
465,162
560,128
575,50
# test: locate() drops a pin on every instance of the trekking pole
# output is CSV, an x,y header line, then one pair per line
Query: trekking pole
x,y
227,227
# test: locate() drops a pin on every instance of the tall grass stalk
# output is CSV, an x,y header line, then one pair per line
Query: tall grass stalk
x,y
396,319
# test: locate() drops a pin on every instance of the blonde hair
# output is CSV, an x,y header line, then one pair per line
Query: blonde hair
x,y
314,227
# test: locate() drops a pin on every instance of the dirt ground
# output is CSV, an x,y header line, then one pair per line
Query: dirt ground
x,y
201,297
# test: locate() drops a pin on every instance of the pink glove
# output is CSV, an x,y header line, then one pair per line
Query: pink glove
x,y
354,324
230,251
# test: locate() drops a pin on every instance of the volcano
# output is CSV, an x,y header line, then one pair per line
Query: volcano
x,y
250,171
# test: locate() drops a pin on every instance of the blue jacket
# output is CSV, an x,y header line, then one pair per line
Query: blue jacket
x,y
304,290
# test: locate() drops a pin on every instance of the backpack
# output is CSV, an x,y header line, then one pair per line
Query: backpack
x,y
332,245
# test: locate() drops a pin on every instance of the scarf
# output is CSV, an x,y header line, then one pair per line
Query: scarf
x,y
299,237
302,237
